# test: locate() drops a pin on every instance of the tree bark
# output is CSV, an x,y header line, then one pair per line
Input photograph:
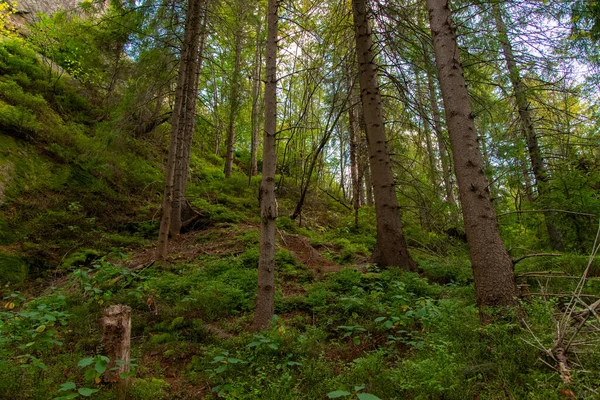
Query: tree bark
x,y
256,88
189,124
492,267
391,248
234,93
265,299
116,341
354,131
535,155
441,141
186,77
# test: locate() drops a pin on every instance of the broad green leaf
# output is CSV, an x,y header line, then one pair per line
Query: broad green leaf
x,y
100,366
337,393
90,375
222,368
84,362
367,396
87,392
67,386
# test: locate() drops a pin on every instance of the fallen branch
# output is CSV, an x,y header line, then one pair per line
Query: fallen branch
x,y
560,295
550,210
516,260
336,199
582,316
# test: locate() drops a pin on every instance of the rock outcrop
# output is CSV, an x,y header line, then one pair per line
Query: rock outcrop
x,y
27,10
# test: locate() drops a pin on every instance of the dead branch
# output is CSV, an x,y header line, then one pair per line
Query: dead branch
x,y
516,260
336,199
550,210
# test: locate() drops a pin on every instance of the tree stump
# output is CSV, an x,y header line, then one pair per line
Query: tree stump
x,y
116,340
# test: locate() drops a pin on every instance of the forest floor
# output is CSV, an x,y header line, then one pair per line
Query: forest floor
x,y
343,327
78,226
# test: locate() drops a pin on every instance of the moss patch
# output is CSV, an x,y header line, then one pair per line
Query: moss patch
x,y
13,270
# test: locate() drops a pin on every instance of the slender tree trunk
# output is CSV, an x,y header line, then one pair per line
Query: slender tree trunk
x,y
391,248
527,181
265,299
492,267
441,141
256,88
189,124
354,131
537,160
366,170
426,215
185,79
432,162
342,164
234,95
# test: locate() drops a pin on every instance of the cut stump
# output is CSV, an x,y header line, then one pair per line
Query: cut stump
x,y
116,340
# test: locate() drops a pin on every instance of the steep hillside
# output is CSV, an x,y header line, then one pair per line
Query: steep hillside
x,y
84,138
65,178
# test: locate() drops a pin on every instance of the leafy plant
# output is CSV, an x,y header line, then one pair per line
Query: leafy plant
x,y
357,393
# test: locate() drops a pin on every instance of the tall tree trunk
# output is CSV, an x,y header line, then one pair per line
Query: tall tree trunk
x,y
492,267
256,87
537,160
441,141
364,156
185,83
391,248
234,93
426,215
354,131
265,299
342,164
185,147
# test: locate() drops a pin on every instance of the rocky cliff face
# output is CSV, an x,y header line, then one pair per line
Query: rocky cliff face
x,y
28,9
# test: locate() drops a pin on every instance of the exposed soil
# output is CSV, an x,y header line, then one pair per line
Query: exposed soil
x,y
221,241
307,254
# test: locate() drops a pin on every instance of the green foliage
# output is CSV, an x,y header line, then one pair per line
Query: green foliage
x,y
150,389
13,270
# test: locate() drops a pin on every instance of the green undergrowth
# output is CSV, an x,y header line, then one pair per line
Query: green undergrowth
x,y
387,333
66,180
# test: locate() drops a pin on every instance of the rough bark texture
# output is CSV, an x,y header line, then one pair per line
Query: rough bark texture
x,y
354,131
441,141
116,341
185,86
256,88
268,205
234,95
492,267
184,149
391,248
538,164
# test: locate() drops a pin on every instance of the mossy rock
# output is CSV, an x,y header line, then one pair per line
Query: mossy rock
x,y
13,269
